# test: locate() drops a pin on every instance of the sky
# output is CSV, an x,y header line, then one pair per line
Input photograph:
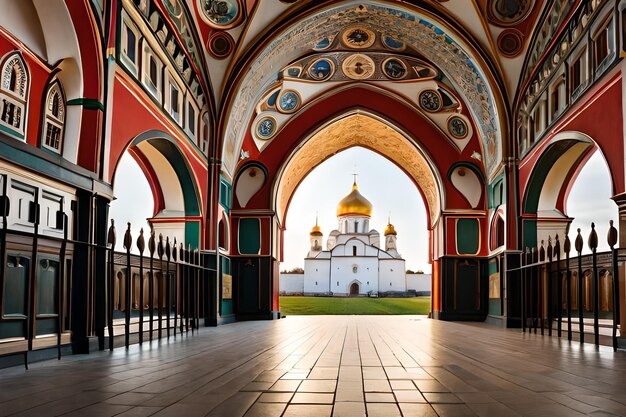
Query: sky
x,y
388,189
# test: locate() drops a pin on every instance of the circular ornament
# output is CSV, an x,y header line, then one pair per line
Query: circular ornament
x,y
457,127
220,13
220,45
394,68
430,100
394,44
289,101
510,43
509,12
321,69
358,67
358,37
266,127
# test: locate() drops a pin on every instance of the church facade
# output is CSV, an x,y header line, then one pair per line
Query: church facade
x,y
354,263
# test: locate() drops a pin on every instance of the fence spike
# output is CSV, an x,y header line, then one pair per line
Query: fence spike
x,y
567,245
160,246
557,245
542,252
579,242
112,236
128,239
151,242
174,250
141,242
593,238
612,235
168,248
550,248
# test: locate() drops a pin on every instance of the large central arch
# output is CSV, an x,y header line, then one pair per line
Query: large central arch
x,y
359,128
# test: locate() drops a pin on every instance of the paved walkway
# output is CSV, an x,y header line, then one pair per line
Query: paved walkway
x,y
329,366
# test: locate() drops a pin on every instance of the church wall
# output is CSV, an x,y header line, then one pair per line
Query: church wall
x,y
392,275
316,276
343,274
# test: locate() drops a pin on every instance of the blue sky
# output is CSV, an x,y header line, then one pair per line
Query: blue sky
x,y
388,189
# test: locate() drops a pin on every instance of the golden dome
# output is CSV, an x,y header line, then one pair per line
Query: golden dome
x,y
316,231
354,204
390,230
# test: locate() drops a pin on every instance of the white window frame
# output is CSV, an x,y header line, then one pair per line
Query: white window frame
x,y
190,102
147,54
50,119
127,23
20,101
203,142
169,84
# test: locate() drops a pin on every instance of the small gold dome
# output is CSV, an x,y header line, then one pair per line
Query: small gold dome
x,y
390,230
354,204
316,231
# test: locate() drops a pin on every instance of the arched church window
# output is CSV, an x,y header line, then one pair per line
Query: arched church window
x,y
54,121
13,90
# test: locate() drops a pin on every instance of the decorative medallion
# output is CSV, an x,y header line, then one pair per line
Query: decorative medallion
x,y
358,37
220,13
509,12
266,127
220,45
393,43
289,101
321,69
394,69
358,67
430,100
510,43
457,127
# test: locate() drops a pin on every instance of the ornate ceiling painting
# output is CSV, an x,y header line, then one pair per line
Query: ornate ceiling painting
x,y
359,129
405,51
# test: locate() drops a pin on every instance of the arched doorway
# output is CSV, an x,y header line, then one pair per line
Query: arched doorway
x,y
354,289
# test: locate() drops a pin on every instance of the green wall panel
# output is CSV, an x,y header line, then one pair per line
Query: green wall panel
x,y
467,236
530,233
192,234
249,236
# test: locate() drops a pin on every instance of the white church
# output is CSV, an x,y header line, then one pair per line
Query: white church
x,y
354,263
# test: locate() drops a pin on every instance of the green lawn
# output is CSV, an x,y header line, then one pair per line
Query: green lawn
x,y
355,305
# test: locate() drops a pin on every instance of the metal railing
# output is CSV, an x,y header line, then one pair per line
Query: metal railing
x,y
581,291
55,290
169,286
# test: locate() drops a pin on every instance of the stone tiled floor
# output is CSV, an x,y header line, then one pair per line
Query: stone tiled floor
x,y
329,366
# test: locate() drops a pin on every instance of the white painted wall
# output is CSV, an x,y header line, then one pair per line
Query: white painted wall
x,y
291,284
419,282
316,273
392,275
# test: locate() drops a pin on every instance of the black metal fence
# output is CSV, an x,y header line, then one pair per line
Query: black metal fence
x,y
156,295
577,295
55,290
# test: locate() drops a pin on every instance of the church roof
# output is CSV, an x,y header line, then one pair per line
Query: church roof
x,y
354,204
